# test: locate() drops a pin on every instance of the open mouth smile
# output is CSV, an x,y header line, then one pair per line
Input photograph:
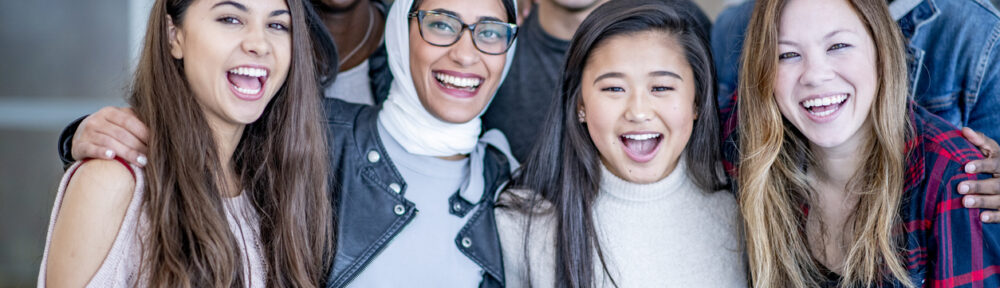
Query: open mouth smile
x,y
458,84
247,82
823,109
641,146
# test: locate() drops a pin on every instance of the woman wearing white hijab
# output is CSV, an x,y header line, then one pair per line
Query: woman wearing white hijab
x,y
423,152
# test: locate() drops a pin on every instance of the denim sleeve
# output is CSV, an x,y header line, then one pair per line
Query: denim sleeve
x,y
985,115
727,43
66,142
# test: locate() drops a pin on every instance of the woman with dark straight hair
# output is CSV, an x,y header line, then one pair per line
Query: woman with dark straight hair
x,y
235,189
620,190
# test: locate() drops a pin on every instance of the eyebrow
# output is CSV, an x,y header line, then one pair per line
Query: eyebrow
x,y
244,8
665,73
827,36
622,75
239,6
609,75
452,13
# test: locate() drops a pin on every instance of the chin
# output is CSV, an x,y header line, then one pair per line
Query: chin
x,y
248,117
456,114
826,140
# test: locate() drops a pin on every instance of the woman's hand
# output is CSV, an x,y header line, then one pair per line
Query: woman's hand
x,y
111,132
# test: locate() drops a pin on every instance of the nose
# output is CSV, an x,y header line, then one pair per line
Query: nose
x,y
638,110
464,52
817,71
255,43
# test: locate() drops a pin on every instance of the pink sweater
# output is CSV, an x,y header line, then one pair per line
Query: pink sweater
x,y
121,265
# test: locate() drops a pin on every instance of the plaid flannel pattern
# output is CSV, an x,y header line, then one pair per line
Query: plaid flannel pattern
x,y
946,244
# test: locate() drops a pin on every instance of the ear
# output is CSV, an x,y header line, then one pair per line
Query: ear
x,y
176,39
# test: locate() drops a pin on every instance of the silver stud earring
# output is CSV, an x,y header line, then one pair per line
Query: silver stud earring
x,y
580,115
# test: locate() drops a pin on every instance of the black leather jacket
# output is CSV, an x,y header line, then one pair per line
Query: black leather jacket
x,y
371,206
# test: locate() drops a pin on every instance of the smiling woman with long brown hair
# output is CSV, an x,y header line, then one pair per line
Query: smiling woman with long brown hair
x,y
235,191
843,181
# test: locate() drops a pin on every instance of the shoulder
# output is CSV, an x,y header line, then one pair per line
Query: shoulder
x,y
516,208
96,199
107,182
343,113
941,139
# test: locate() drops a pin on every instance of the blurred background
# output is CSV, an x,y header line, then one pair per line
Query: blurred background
x,y
59,60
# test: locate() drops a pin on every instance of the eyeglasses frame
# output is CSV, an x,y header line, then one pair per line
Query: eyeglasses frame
x,y
420,14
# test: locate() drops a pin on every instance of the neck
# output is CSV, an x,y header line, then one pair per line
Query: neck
x,y
227,136
349,28
560,22
836,166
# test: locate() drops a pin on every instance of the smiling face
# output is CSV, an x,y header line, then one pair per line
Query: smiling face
x,y
236,56
455,83
826,80
638,97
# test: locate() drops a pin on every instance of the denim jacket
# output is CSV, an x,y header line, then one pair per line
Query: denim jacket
x,y
952,54
371,207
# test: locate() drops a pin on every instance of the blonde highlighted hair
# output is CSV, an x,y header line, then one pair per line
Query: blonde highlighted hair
x,y
772,180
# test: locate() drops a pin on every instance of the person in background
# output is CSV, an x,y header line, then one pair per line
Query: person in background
x,y
530,89
357,27
624,188
953,58
843,181
235,191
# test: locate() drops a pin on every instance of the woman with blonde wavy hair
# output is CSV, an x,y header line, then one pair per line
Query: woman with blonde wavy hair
x,y
843,181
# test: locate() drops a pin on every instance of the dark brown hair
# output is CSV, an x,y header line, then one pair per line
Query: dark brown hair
x,y
281,162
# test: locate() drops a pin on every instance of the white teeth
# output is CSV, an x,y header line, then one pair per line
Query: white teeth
x,y
247,71
825,101
247,91
457,81
824,113
641,136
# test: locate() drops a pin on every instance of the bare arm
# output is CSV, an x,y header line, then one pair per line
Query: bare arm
x,y
93,206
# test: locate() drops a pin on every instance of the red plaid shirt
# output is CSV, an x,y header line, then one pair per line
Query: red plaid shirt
x,y
946,244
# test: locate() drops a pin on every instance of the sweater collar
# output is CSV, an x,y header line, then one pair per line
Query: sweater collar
x,y
617,187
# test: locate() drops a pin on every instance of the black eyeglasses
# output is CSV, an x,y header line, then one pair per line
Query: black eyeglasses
x,y
443,30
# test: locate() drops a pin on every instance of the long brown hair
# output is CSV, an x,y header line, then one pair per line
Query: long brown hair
x,y
772,180
281,161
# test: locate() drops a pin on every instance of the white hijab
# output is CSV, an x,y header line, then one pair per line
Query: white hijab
x,y
404,117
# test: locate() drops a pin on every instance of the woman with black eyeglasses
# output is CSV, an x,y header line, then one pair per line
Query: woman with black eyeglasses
x,y
415,182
